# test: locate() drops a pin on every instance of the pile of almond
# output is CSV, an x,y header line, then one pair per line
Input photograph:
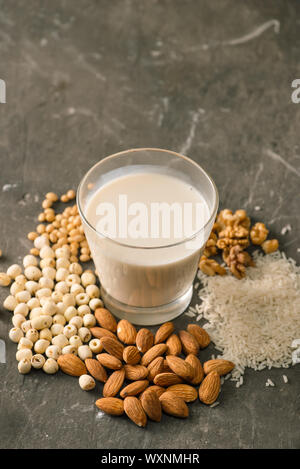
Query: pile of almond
x,y
144,374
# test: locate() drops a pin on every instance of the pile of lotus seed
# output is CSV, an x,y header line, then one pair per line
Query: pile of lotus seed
x,y
52,300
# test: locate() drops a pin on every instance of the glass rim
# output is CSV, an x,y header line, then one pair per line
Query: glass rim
x,y
124,152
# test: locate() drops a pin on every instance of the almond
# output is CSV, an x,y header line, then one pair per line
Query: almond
x,y
105,319
112,346
189,343
180,367
95,368
131,355
173,405
71,365
197,367
134,410
109,361
153,352
210,388
99,332
126,332
134,388
111,405
222,367
155,367
151,405
174,345
144,340
185,391
135,372
200,335
159,390
114,383
164,332
167,379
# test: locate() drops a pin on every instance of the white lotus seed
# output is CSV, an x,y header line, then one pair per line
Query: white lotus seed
x,y
88,278
76,341
15,334
82,299
76,288
62,263
75,268
70,330
84,352
89,320
46,334
69,299
18,320
46,251
26,325
57,296
41,241
43,292
25,343
46,282
36,312
57,329
95,303
22,308
23,296
30,260
69,349
32,334
87,382
70,313
93,291
13,271
37,361
4,279
41,322
10,303
84,334
61,274
62,287
95,345
15,288
21,280
60,340
25,353
49,272
83,309
47,262
32,273
77,321
53,351
31,286
49,307
24,366
50,366
41,345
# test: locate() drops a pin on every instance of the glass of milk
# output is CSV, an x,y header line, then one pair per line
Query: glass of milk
x,y
147,214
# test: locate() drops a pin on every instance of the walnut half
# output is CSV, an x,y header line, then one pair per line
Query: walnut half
x,y
211,267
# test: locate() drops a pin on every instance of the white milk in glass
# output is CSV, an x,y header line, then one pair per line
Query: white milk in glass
x,y
140,263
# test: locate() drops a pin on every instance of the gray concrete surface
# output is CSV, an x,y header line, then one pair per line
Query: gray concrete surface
x,y
86,79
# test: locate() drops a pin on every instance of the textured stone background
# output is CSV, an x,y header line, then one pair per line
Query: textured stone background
x,y
86,79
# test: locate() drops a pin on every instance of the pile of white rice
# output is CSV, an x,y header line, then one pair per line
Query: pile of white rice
x,y
253,321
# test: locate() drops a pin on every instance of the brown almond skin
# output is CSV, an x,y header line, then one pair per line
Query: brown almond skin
x,y
167,379
173,405
135,372
189,343
164,331
153,352
112,346
221,366
159,390
185,391
131,355
111,405
197,367
134,410
144,340
71,365
210,388
114,383
126,332
134,388
155,367
109,361
180,367
151,405
174,345
99,332
95,368
200,335
105,319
